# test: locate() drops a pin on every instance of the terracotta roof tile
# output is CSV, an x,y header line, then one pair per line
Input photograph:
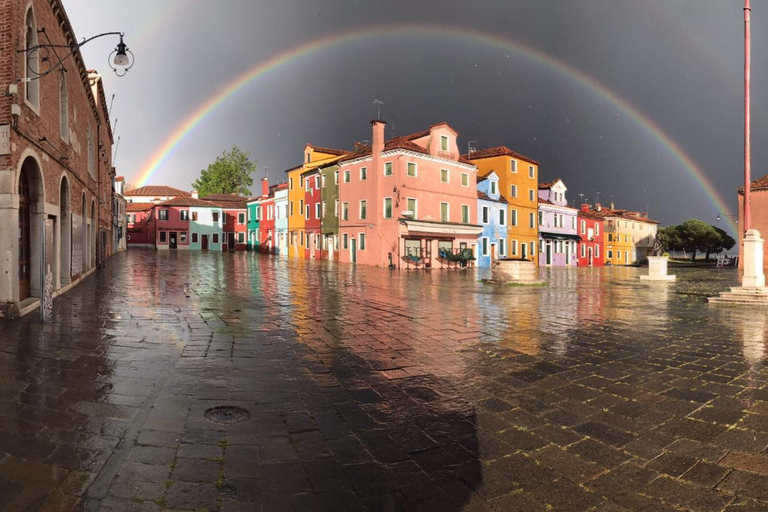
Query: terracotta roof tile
x,y
227,200
189,201
157,191
329,151
483,195
499,151
138,207
758,184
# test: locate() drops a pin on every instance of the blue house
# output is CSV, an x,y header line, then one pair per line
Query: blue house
x,y
492,215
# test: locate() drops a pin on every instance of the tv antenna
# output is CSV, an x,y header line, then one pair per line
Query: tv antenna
x,y
378,104
581,198
109,112
117,146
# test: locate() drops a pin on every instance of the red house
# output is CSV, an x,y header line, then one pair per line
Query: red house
x,y
267,235
313,215
172,223
235,220
590,231
140,225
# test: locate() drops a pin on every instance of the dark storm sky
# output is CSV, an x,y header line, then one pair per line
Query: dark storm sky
x,y
678,62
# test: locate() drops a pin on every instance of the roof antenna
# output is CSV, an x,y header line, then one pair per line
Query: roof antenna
x,y
470,149
378,104
581,198
109,112
597,197
117,146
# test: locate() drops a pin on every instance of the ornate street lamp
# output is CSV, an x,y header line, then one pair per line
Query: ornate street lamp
x,y
734,218
120,60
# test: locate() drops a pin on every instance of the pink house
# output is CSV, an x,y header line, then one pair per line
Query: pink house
x,y
407,202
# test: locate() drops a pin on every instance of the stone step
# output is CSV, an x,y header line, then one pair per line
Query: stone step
x,y
740,298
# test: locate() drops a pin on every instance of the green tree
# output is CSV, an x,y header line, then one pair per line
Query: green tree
x,y
229,174
670,238
718,241
696,235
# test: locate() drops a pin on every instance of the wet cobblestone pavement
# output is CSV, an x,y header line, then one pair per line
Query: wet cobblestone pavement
x,y
362,389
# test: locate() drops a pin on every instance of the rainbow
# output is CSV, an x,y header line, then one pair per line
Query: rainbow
x,y
265,68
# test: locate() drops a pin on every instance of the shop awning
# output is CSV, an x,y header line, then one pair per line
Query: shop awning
x,y
559,236
442,228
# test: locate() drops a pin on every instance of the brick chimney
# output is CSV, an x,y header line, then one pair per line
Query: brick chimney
x,y
585,207
374,174
264,187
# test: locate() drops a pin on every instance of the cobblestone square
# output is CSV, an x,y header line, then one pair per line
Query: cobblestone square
x,y
367,389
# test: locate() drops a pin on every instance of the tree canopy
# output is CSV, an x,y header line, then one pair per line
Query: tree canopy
x,y
695,236
230,173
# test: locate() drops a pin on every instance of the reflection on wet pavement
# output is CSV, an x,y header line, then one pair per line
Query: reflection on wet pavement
x,y
367,389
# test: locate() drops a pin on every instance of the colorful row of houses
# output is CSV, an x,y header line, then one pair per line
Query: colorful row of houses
x,y
408,202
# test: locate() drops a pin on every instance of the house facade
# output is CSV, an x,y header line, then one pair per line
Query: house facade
x,y
406,201
518,183
558,237
140,224
590,226
235,220
492,216
329,199
205,226
312,214
629,236
55,160
280,193
154,194
267,234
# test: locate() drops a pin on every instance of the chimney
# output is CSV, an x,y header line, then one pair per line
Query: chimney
x,y
194,194
264,187
612,207
598,207
378,136
585,207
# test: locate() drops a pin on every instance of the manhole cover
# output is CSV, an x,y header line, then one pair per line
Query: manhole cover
x,y
227,414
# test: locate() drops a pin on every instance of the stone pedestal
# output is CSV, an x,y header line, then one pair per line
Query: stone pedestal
x,y
752,290
515,271
657,269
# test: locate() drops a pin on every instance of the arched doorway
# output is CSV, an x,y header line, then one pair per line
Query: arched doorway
x,y
92,238
65,234
31,198
25,235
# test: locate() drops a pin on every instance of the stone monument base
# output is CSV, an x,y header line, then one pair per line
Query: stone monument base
x,y
515,271
657,269
752,290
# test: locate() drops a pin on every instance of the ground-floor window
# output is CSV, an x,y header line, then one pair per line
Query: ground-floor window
x,y
345,241
241,238
183,237
514,247
336,242
163,237
413,248
610,254
597,251
485,246
215,238
301,234
533,248
194,238
626,256
583,250
503,246
361,238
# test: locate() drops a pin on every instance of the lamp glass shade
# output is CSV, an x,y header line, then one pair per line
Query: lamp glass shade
x,y
121,59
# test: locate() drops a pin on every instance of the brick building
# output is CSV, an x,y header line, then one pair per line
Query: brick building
x,y
55,158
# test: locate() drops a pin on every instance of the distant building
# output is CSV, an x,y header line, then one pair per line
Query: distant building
x,y
329,198
312,215
154,194
235,220
140,225
518,183
629,236
280,193
558,239
492,216
590,227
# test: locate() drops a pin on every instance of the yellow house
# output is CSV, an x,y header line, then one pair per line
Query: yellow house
x,y
628,236
519,184
314,156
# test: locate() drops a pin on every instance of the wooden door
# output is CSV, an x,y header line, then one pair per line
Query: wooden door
x,y
231,241
172,240
25,235
204,244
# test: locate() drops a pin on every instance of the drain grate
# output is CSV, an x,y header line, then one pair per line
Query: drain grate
x,y
227,414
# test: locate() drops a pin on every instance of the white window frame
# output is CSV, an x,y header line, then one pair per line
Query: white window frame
x,y
466,214
415,209
494,188
347,176
447,211
485,215
318,212
361,241
485,245
513,217
531,172
387,169
363,173
513,165
384,208
531,196
533,249
502,216
363,208
514,247
513,190
464,179
444,143
238,218
583,226
503,247
345,211
447,176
